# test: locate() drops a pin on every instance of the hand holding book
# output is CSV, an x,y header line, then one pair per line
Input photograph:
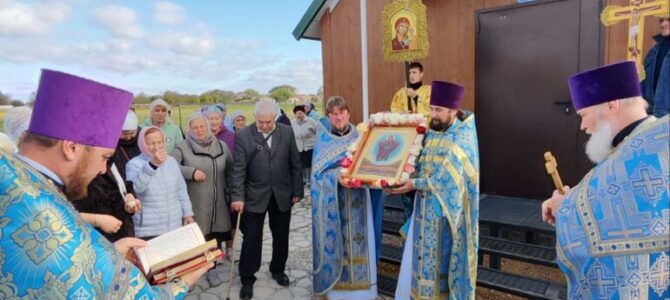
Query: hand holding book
x,y
177,253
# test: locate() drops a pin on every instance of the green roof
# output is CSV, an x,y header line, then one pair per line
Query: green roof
x,y
306,28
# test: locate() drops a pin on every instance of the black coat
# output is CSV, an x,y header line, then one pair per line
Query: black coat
x,y
260,171
125,151
104,197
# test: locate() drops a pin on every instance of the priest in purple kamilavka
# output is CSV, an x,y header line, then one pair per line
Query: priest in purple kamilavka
x,y
48,250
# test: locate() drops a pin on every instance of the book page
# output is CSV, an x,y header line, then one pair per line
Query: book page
x,y
169,244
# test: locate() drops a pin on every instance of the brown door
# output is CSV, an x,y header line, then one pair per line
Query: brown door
x,y
524,55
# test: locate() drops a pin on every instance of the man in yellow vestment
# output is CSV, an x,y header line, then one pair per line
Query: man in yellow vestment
x,y
415,98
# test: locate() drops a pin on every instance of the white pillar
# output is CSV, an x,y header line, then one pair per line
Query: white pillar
x,y
364,58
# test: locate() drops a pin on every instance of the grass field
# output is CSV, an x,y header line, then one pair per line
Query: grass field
x,y
182,113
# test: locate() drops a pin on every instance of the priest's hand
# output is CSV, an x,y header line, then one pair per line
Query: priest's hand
x,y
237,206
296,200
344,181
191,278
401,187
187,220
107,223
199,175
124,245
551,206
159,157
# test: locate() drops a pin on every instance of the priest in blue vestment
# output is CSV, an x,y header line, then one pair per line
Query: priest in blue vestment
x,y
346,221
612,229
48,250
440,255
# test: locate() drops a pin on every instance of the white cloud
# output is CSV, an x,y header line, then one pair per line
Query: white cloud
x,y
20,20
305,74
182,43
181,57
168,13
119,21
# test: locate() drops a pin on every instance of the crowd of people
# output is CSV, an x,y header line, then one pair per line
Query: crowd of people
x,y
76,199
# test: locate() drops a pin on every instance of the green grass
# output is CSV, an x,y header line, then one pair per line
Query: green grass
x,y
3,113
187,110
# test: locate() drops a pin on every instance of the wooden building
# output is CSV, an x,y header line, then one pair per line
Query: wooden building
x,y
513,58
452,34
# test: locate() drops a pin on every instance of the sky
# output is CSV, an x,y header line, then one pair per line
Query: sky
x,y
153,46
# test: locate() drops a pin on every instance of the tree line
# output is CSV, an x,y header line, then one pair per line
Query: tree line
x,y
281,93
6,99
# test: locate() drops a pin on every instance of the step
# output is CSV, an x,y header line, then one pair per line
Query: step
x,y
519,213
391,226
391,254
496,280
394,202
386,285
518,251
520,285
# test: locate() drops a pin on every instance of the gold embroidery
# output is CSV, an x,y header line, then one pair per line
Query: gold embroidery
x,y
42,236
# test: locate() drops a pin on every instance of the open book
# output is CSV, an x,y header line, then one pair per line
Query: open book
x,y
176,253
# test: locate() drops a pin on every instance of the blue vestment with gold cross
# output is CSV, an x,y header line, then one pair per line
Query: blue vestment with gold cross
x,y
442,258
49,252
612,228
340,233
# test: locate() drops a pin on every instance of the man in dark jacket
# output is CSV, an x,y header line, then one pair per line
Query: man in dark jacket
x,y
267,178
656,85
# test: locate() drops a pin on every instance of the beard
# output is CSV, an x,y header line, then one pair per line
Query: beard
x,y
599,145
341,129
77,185
438,125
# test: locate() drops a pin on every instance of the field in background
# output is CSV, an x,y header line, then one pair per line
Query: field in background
x,y
182,113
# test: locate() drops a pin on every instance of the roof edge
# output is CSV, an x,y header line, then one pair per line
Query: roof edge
x,y
307,19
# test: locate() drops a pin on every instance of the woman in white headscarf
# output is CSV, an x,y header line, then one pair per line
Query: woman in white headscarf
x,y
16,122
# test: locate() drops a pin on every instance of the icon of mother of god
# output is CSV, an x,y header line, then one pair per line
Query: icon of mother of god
x,y
404,35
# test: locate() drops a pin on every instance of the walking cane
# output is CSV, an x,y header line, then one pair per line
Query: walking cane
x,y
232,266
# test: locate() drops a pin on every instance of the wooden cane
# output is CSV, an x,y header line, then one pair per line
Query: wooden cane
x,y
552,169
232,267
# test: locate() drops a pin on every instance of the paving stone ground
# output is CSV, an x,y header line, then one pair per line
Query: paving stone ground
x,y
298,266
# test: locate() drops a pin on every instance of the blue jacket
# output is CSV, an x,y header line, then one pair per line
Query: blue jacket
x,y
162,193
659,99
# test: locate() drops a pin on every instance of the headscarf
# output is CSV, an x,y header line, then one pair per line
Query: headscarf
x,y
202,142
6,143
214,108
141,140
158,102
17,121
238,113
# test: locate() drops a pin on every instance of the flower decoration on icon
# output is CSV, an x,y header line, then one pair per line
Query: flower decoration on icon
x,y
385,119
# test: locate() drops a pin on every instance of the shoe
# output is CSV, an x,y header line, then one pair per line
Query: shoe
x,y
213,278
281,279
247,292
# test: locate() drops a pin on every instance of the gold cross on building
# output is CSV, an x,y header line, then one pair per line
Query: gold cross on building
x,y
635,14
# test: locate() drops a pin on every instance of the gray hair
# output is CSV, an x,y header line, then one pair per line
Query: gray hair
x,y
634,101
196,115
266,106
